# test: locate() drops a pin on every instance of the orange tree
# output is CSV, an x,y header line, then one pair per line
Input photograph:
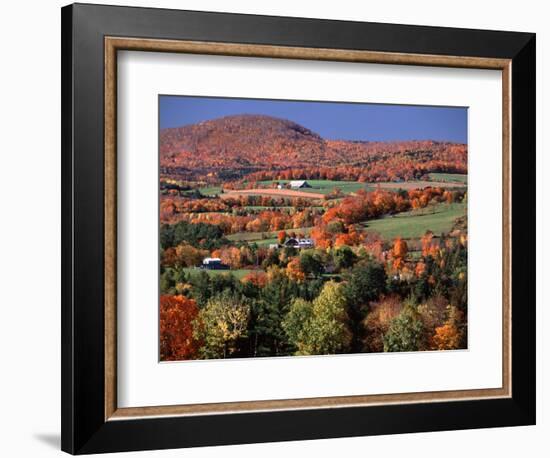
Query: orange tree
x,y
177,314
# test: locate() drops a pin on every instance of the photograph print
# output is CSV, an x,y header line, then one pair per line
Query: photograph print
x,y
298,228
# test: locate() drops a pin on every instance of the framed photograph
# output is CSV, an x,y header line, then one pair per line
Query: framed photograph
x,y
281,229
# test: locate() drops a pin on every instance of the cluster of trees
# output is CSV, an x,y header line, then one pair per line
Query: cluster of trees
x,y
172,205
374,162
169,186
377,171
186,245
195,202
261,220
204,235
267,201
293,308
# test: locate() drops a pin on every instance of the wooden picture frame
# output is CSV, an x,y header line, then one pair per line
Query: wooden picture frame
x,y
91,419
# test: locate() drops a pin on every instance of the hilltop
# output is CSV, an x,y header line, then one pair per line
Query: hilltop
x,y
263,147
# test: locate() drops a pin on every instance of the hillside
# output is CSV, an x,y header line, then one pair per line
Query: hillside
x,y
242,139
264,147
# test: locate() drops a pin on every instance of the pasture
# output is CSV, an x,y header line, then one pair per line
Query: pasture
x,y
237,273
264,238
415,223
210,190
324,186
450,177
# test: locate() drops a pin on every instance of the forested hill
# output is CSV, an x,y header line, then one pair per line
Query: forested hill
x,y
262,146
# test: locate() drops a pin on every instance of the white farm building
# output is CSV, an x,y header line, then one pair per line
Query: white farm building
x,y
299,184
299,243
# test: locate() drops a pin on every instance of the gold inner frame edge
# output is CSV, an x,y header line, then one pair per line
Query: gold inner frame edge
x,y
114,44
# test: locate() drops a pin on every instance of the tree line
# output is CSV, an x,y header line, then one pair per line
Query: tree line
x,y
296,309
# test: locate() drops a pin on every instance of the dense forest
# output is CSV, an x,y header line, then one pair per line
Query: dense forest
x,y
366,252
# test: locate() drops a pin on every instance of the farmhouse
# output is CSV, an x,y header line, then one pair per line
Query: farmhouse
x,y
299,184
213,264
299,243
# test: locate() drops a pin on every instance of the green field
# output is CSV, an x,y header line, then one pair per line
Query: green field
x,y
450,177
238,273
266,241
323,186
264,238
348,187
249,236
210,191
415,223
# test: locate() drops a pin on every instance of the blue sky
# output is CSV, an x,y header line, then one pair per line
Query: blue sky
x,y
331,120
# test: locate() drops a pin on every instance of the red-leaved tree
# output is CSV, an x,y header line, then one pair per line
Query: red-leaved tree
x,y
177,314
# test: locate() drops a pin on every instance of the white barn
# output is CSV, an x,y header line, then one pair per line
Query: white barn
x,y
298,184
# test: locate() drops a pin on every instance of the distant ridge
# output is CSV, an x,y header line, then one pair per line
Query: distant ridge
x,y
248,143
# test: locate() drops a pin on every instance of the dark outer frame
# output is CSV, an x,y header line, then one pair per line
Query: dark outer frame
x,y
84,428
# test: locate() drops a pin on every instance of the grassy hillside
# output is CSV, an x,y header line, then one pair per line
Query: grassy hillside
x,y
415,223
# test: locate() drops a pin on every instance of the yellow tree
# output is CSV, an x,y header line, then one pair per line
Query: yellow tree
x,y
230,256
450,335
320,327
189,256
222,323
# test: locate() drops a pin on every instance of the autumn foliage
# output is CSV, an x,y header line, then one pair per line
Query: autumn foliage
x,y
284,150
177,316
294,270
256,278
399,253
303,271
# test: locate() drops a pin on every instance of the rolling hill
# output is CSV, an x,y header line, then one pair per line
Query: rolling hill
x,y
264,147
